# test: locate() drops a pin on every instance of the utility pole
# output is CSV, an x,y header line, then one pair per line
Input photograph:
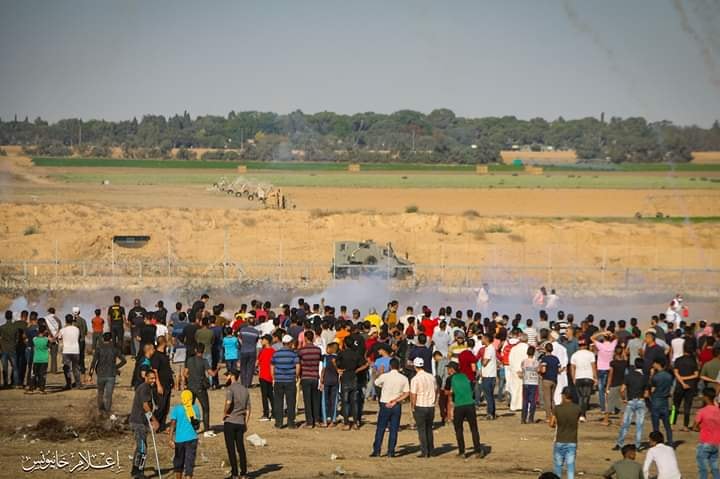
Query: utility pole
x,y
80,135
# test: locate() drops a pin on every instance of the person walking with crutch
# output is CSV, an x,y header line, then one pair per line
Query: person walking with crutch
x,y
141,419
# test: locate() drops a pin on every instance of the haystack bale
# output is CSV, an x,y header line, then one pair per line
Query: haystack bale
x,y
533,170
354,167
242,169
482,169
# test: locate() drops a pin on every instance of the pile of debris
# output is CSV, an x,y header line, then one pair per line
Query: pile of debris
x,y
56,430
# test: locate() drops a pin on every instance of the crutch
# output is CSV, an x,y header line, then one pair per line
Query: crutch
x,y
157,458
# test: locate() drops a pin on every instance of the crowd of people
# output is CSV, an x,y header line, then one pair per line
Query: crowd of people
x,y
460,365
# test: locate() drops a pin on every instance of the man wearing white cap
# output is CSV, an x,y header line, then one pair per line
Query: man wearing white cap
x,y
422,401
285,370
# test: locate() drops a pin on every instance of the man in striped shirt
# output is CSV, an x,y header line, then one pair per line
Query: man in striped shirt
x,y
285,368
310,357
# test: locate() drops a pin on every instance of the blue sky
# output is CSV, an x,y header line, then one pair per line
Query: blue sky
x,y
528,58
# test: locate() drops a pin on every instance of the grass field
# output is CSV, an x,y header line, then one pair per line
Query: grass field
x,y
394,166
389,180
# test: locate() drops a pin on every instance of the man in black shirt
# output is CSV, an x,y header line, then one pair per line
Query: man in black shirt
x,y
350,363
687,375
197,307
103,362
187,337
146,332
160,363
633,390
422,351
136,317
161,312
141,419
116,317
652,352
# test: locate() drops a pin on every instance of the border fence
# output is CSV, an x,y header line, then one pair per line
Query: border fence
x,y
578,279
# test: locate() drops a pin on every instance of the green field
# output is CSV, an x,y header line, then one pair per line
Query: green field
x,y
390,180
319,166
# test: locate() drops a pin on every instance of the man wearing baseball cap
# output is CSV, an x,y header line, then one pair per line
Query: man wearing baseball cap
x,y
462,408
422,402
285,370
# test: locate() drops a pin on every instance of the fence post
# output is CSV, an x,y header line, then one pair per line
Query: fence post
x,y
549,265
56,259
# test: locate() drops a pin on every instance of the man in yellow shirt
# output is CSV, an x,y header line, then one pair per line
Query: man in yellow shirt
x,y
374,318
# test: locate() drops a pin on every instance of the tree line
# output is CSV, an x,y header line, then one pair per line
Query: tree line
x,y
405,135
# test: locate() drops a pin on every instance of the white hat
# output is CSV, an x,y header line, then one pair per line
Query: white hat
x,y
76,309
287,339
418,362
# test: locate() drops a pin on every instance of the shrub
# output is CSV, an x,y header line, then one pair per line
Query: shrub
x,y
478,234
411,209
31,230
249,222
3,152
471,214
517,238
318,213
497,229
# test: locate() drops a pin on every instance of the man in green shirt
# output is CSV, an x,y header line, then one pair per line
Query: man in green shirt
x,y
626,468
566,419
41,343
461,408
711,369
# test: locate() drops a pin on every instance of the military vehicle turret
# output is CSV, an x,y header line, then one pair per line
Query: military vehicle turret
x,y
362,258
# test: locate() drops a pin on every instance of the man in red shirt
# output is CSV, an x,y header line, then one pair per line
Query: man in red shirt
x,y
428,323
708,423
265,375
468,362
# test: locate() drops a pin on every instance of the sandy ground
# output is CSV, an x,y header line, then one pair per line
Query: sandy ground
x,y
516,227
517,450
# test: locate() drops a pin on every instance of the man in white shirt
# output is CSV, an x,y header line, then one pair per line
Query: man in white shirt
x,y
160,331
53,324
70,336
423,390
676,345
517,355
442,339
560,352
584,372
663,456
551,301
395,388
483,299
488,371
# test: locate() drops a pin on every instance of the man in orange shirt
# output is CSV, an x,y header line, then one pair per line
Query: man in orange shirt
x,y
98,326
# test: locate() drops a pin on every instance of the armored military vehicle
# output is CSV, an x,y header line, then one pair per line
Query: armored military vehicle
x,y
362,258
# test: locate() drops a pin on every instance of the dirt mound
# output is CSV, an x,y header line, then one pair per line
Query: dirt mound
x,y
53,429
